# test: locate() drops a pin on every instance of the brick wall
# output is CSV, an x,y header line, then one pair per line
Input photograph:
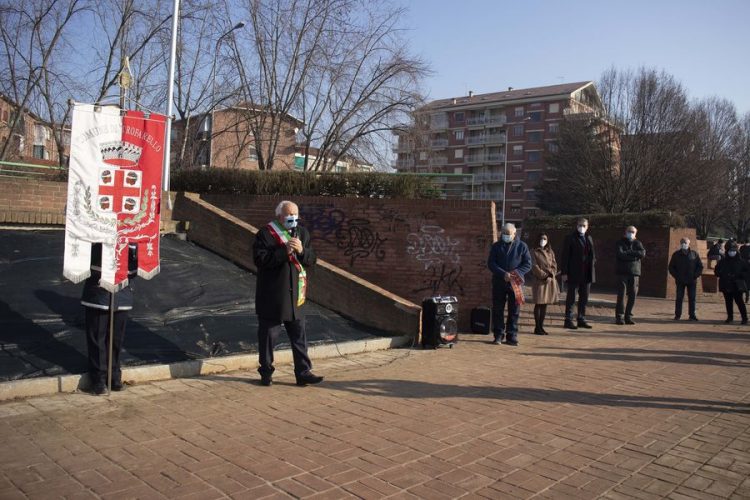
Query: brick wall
x,y
31,201
330,286
412,248
659,243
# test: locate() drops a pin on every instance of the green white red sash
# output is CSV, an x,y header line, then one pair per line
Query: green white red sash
x,y
282,236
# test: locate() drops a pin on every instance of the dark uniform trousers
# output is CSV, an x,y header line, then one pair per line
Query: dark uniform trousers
x,y
502,293
626,284
268,333
583,290
97,340
680,296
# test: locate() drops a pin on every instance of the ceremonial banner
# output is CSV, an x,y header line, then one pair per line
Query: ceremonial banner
x,y
114,191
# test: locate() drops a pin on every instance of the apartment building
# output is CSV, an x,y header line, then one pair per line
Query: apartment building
x,y
491,136
30,138
225,139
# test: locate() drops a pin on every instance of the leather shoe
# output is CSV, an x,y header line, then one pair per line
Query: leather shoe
x,y
266,380
693,318
728,320
570,325
744,321
498,341
118,386
677,318
583,324
511,342
629,321
99,388
308,378
544,332
619,321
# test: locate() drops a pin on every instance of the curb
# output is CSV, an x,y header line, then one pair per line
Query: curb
x,y
44,386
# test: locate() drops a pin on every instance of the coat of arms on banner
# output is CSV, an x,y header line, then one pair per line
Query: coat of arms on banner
x,y
114,191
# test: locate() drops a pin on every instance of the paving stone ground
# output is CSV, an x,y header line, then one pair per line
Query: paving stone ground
x,y
661,409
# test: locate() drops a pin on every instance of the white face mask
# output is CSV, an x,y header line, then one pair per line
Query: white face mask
x,y
582,229
630,235
507,238
684,246
543,242
732,253
290,221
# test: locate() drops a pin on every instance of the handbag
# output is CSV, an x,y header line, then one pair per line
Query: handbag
x,y
741,285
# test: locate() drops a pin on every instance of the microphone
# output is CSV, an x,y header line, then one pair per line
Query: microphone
x,y
293,232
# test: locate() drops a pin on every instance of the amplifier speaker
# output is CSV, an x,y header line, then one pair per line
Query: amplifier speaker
x,y
480,320
439,322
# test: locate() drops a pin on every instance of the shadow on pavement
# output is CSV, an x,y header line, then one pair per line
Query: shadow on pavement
x,y
416,390
630,355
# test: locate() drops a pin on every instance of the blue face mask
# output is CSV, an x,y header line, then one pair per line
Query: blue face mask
x,y
507,238
630,235
290,221
731,253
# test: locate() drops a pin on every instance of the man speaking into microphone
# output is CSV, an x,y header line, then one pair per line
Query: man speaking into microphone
x,y
282,253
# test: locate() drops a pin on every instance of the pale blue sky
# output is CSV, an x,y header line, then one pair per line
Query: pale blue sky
x,y
488,45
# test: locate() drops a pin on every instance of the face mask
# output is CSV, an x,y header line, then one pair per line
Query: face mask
x,y
542,243
732,253
582,229
290,221
507,238
684,246
630,235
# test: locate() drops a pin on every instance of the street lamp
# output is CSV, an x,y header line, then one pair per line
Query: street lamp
x,y
237,26
505,168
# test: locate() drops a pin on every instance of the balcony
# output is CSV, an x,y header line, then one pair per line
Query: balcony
x,y
475,121
495,158
439,121
496,120
476,140
404,163
495,139
439,143
475,159
489,178
437,161
488,196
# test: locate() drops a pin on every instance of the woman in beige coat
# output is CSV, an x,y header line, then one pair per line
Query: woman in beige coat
x,y
544,287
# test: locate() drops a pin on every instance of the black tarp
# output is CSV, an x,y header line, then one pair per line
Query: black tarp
x,y
199,306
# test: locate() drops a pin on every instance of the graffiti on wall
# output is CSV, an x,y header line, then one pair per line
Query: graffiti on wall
x,y
357,237
441,280
431,247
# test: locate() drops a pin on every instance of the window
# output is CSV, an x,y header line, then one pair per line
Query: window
x,y
516,168
515,209
533,176
531,212
554,107
554,128
459,153
458,117
252,154
39,135
459,134
39,151
517,150
534,156
516,188
201,157
535,137
422,155
517,130
519,112
535,116
531,195
458,170
552,147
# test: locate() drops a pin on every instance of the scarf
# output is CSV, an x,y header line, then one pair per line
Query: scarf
x,y
282,236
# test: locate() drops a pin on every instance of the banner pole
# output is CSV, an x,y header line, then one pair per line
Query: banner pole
x,y
111,341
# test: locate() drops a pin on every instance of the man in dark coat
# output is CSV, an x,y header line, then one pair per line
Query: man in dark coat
x,y
509,262
745,255
734,276
578,270
686,267
96,303
282,253
629,252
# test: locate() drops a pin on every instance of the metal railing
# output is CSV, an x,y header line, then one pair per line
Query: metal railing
x,y
439,143
18,169
476,139
437,161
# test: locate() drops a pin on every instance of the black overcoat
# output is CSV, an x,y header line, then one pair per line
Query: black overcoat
x,y
730,270
579,266
276,289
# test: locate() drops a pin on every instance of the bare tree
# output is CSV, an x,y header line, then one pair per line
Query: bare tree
x,y
738,220
31,35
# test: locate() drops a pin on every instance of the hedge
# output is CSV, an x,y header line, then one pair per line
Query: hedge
x,y
621,220
253,182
